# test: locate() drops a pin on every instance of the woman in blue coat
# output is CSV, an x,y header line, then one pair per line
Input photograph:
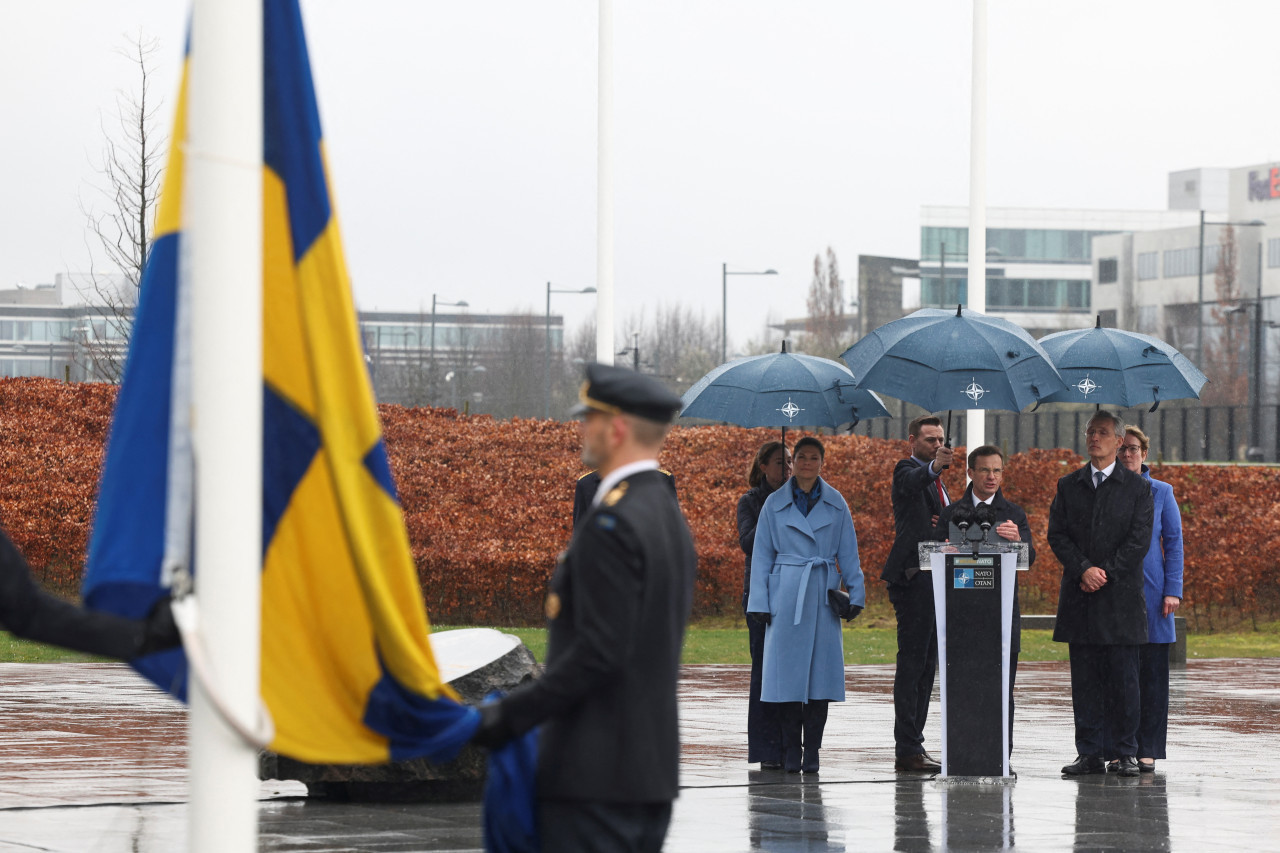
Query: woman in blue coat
x,y
770,468
1162,585
805,546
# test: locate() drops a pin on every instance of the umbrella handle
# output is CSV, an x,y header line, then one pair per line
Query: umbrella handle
x,y
1155,390
948,442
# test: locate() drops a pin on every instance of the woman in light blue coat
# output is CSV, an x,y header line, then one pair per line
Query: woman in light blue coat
x,y
1162,585
805,546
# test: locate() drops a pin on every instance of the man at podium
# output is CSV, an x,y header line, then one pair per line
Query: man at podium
x,y
986,474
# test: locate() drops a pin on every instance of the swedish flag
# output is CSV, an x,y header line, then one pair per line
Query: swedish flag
x,y
347,670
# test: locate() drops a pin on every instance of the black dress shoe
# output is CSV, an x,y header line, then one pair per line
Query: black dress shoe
x,y
1147,768
1128,766
810,763
918,763
770,765
1085,765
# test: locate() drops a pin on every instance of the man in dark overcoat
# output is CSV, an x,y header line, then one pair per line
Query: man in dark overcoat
x,y
619,600
918,498
1100,530
986,474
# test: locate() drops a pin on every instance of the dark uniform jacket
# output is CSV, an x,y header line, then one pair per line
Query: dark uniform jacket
x,y
619,601
1005,511
749,506
585,490
915,503
1108,527
31,613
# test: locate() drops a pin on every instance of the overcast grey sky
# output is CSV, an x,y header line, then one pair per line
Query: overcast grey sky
x,y
754,132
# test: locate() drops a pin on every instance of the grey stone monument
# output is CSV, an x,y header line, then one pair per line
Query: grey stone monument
x,y
475,662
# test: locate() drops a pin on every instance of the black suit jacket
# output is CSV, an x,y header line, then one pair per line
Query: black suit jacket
x,y
619,602
915,503
1108,527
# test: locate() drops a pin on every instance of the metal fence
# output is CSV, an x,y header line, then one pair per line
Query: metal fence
x,y
1177,433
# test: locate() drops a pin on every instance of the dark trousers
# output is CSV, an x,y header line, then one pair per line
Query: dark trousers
x,y
802,726
917,662
569,826
1105,699
1153,685
764,736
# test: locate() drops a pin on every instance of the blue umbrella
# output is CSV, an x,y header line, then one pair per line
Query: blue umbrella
x,y
939,359
782,389
1120,368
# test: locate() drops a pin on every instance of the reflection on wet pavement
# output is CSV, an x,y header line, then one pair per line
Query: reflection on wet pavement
x,y
91,758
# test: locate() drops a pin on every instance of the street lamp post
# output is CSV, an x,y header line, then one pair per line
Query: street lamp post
x,y
725,272
1252,223
546,355
431,385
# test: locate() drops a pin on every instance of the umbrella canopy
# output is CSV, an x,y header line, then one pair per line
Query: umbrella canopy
x,y
782,389
1120,368
939,359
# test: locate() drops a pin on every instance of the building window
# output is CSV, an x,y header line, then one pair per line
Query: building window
x,y
1148,266
1108,270
1180,262
1273,252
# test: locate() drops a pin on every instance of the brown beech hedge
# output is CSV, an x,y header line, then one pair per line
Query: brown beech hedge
x,y
488,505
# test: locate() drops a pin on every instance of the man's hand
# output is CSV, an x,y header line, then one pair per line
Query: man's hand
x,y
1093,579
1008,530
944,458
493,730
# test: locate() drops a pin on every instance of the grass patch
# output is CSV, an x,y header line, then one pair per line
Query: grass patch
x,y
723,640
13,650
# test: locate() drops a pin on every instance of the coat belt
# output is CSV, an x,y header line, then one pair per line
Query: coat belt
x,y
807,564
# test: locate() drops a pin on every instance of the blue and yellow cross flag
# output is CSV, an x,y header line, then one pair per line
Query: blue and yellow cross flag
x,y
347,670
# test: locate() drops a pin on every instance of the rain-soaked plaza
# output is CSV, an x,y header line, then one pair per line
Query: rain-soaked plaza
x,y
93,759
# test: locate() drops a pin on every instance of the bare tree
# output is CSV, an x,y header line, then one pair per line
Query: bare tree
x,y
123,224
1227,349
513,383
678,345
827,326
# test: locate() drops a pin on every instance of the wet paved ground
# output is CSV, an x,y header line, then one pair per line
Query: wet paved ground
x,y
91,759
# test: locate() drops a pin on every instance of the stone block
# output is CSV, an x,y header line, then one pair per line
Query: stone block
x,y
417,780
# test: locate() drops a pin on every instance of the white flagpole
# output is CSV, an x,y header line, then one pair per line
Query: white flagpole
x,y
975,423
604,187
222,264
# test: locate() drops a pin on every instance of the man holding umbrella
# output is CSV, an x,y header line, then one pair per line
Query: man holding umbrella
x,y
918,499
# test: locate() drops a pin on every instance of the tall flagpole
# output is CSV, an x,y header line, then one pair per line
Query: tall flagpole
x,y
975,423
221,263
604,188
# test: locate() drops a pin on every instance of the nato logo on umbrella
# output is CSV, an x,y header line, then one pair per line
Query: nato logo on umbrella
x,y
973,390
1086,386
790,410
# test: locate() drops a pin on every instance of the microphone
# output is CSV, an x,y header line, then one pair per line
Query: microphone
x,y
961,520
985,516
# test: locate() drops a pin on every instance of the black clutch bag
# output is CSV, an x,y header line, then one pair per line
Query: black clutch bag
x,y
840,603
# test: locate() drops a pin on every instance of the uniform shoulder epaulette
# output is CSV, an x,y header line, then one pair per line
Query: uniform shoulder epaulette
x,y
616,494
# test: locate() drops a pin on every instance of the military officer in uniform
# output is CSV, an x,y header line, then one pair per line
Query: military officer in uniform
x,y
609,749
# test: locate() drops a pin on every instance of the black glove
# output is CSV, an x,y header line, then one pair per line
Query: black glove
x,y
762,618
160,631
493,730
840,603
